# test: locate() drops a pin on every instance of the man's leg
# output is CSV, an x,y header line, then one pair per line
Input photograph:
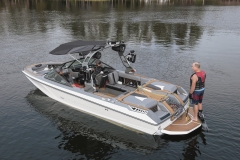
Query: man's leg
x,y
200,114
195,110
199,106
200,102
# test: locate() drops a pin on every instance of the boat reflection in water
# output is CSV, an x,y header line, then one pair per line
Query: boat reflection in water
x,y
81,130
81,133
192,143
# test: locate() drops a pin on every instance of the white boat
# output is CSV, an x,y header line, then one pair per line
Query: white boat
x,y
121,97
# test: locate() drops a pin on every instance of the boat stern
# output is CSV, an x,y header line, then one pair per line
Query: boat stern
x,y
183,125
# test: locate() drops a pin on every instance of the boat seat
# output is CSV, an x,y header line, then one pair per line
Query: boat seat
x,y
140,101
101,80
129,76
98,78
162,114
75,75
113,82
143,80
117,87
163,86
113,78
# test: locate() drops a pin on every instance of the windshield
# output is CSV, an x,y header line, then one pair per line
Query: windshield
x,y
67,64
76,64
54,76
92,63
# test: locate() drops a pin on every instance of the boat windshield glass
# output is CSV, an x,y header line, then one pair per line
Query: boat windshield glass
x,y
92,63
67,64
54,76
76,63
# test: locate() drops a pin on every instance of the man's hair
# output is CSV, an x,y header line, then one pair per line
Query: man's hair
x,y
197,64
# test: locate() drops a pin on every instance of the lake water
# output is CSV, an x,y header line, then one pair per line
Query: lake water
x,y
168,36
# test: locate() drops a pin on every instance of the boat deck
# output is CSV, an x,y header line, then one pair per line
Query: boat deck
x,y
104,95
183,124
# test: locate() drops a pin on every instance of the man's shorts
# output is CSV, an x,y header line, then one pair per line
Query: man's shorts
x,y
197,96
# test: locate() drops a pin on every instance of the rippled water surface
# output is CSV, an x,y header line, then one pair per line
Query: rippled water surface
x,y
168,36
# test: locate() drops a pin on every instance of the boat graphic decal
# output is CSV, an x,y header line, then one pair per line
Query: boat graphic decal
x,y
139,110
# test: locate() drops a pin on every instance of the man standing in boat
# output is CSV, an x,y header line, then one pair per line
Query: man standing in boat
x,y
197,84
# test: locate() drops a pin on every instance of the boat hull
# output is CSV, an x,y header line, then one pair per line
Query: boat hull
x,y
97,108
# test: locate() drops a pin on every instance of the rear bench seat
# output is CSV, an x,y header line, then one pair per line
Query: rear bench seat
x,y
116,76
140,80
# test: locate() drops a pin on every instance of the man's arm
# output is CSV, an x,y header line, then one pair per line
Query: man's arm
x,y
194,81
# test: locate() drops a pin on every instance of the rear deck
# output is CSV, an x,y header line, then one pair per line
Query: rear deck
x,y
182,125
